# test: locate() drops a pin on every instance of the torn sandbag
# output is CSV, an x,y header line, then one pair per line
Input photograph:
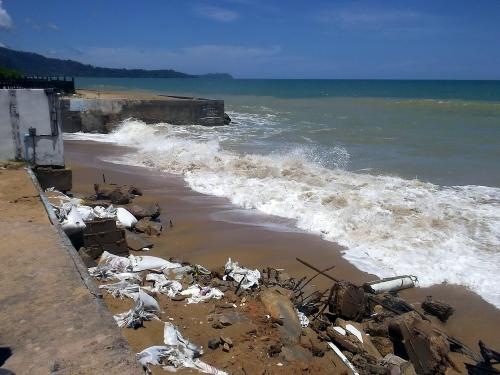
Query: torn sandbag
x,y
146,262
110,265
163,285
177,353
145,308
125,218
121,289
390,284
201,294
245,277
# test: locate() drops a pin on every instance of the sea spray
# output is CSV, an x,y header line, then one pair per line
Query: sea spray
x,y
388,225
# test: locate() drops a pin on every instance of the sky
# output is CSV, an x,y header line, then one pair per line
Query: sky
x,y
366,39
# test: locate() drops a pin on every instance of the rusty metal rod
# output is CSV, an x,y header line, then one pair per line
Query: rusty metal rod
x,y
317,270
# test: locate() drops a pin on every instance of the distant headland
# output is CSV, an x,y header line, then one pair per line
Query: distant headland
x,y
29,63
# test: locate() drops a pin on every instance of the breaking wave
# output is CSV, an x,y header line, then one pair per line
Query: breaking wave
x,y
388,225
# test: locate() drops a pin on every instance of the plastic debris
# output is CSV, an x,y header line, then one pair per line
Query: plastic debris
x,y
121,289
163,285
342,357
145,308
177,353
201,294
351,329
304,320
245,277
391,284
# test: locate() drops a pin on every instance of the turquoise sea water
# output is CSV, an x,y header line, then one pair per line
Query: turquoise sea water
x,y
404,174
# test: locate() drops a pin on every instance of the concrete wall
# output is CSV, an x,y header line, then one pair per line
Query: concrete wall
x,y
21,109
102,115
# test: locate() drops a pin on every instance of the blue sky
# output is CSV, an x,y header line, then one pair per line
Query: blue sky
x,y
265,38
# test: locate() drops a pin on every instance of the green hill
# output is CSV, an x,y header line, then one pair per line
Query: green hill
x,y
34,64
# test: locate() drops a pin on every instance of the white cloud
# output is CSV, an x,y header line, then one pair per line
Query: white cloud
x,y
5,20
53,26
217,14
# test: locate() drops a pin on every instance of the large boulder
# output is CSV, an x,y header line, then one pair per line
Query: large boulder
x,y
140,212
151,228
281,310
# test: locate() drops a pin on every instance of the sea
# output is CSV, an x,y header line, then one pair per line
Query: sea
x,y
405,175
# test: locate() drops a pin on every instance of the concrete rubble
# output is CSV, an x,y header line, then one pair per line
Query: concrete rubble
x,y
360,329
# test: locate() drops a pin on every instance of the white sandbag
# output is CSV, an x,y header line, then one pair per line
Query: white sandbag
x,y
121,289
145,308
248,278
73,223
146,262
125,218
304,320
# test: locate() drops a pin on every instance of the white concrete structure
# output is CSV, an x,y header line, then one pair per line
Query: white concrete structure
x,y
22,109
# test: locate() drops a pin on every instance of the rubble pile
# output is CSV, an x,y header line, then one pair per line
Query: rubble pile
x,y
284,321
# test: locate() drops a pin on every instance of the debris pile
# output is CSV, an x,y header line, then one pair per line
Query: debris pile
x,y
283,320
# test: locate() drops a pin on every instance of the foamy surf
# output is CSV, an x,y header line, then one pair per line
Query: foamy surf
x,y
388,225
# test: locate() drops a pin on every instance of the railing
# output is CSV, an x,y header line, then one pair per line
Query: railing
x,y
58,84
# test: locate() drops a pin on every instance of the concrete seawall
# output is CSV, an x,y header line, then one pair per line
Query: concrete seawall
x,y
101,115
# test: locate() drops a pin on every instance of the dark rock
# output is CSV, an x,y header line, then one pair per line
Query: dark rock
x,y
115,193
348,301
151,228
419,341
214,343
134,190
179,297
439,309
119,197
274,349
140,212
227,119
136,242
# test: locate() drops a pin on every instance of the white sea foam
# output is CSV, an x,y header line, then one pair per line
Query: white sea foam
x,y
388,225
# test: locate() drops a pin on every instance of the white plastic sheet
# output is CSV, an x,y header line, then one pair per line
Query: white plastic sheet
x,y
177,353
201,294
248,278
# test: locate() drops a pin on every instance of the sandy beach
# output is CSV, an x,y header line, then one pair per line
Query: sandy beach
x,y
209,230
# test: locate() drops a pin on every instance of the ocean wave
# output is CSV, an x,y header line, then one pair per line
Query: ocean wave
x,y
388,225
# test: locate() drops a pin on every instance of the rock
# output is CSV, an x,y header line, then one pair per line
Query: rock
x,y
140,212
383,344
119,197
349,343
134,190
225,347
439,309
281,310
224,320
151,228
136,242
426,348
179,297
214,343
227,341
274,349
227,119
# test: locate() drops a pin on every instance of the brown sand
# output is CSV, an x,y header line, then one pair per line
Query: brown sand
x,y
197,236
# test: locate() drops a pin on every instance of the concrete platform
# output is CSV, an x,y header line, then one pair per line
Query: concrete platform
x,y
49,319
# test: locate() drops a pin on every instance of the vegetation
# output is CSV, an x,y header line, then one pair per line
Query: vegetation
x,y
9,73
34,64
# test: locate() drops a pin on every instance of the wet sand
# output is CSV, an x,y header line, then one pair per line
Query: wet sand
x,y
208,230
